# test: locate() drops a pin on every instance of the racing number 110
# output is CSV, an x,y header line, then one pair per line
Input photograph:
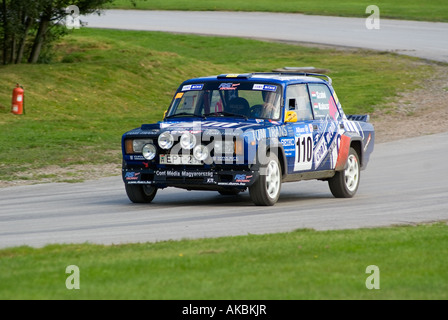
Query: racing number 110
x,y
305,147
304,153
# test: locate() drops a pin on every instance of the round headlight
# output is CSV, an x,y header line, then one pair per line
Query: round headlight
x,y
187,141
149,151
166,140
200,152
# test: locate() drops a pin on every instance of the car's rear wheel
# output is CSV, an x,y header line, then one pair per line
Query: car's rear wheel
x,y
140,193
266,190
345,183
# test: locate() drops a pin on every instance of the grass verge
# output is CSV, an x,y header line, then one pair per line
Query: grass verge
x,y
103,83
435,10
304,264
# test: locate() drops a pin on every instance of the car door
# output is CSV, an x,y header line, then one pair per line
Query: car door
x,y
325,126
299,145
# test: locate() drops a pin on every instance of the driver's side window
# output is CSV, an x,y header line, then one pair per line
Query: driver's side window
x,y
298,100
216,104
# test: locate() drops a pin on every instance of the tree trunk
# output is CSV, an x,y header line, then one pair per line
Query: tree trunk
x,y
12,54
5,32
39,40
22,44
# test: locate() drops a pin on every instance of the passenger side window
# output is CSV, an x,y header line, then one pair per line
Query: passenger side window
x,y
323,103
299,101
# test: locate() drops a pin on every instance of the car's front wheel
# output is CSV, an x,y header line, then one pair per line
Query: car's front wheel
x,y
140,193
345,183
266,190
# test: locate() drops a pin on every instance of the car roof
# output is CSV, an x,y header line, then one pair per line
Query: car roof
x,y
270,77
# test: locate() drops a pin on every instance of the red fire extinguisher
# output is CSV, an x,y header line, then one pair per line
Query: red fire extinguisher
x,y
18,97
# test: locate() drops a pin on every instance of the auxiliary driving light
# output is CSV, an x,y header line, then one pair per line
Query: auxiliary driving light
x,y
187,141
166,140
200,152
149,151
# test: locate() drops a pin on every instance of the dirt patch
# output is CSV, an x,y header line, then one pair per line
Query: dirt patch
x,y
419,112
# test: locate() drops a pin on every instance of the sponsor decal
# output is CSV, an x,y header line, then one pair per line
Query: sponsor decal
x,y
305,129
336,99
210,180
243,178
130,176
231,184
272,132
218,124
369,138
228,86
327,143
318,95
192,87
276,132
288,142
320,152
137,158
303,159
288,146
321,106
260,134
184,174
333,110
197,125
264,87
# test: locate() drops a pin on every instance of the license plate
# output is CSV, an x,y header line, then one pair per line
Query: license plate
x,y
178,159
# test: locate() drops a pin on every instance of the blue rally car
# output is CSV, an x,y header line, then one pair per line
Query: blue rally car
x,y
255,131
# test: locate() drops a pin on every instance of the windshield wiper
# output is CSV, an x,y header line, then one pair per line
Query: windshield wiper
x,y
181,114
225,113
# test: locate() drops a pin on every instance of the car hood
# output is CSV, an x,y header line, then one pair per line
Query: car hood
x,y
203,126
252,129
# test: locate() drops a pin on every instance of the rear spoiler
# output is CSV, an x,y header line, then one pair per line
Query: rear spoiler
x,y
359,117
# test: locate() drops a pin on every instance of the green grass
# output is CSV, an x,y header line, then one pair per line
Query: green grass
x,y
434,10
103,83
303,264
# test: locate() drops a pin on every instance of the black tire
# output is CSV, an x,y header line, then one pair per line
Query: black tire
x,y
345,183
140,193
266,190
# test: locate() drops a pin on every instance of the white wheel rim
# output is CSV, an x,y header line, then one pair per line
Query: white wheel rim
x,y
272,179
352,173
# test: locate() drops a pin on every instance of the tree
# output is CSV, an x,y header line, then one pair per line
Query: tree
x,y
29,26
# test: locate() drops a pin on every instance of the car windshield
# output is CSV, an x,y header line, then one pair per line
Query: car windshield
x,y
230,99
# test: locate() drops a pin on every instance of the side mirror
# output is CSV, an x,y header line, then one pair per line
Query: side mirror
x,y
291,116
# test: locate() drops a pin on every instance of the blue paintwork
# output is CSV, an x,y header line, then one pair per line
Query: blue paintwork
x,y
304,146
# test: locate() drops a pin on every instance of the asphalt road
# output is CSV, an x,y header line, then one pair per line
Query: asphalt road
x,y
405,183
420,39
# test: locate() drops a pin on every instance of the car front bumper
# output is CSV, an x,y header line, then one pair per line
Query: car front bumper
x,y
188,178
